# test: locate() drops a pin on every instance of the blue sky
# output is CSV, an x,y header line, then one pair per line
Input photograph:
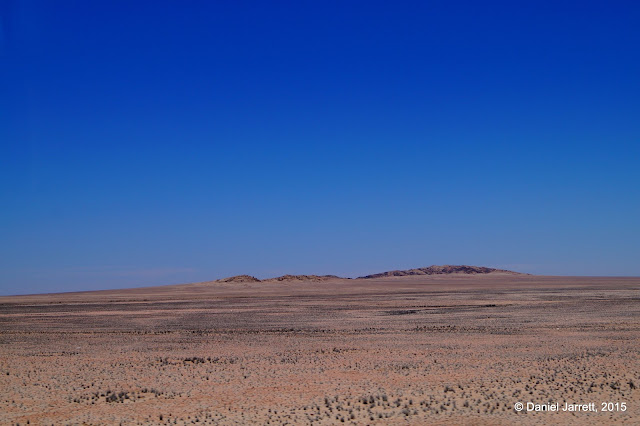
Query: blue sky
x,y
149,143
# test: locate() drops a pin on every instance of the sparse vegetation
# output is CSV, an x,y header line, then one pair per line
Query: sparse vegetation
x,y
334,358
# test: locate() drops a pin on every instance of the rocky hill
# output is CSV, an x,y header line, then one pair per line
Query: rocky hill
x,y
441,270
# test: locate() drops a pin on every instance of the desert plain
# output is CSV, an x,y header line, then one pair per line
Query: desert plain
x,y
446,349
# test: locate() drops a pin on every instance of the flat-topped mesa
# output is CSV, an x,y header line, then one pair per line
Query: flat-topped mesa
x,y
442,270
303,278
239,279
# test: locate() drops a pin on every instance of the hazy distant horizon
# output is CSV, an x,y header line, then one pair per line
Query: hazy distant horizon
x,y
115,284
149,145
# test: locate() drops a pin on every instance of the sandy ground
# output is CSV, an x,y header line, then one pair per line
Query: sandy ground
x,y
409,350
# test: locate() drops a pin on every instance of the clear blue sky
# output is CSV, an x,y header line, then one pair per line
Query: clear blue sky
x,y
152,143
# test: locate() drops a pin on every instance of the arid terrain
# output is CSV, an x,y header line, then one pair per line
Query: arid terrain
x,y
412,349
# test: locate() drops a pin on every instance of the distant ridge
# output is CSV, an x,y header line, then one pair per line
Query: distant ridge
x,y
239,279
304,278
431,270
442,270
251,279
